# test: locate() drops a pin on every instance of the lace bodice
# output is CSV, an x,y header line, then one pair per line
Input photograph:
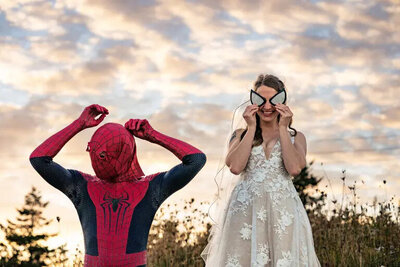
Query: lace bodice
x,y
258,163
262,175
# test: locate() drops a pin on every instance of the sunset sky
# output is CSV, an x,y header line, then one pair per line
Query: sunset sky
x,y
185,66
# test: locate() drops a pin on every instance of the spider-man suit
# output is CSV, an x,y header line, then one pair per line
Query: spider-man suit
x,y
117,206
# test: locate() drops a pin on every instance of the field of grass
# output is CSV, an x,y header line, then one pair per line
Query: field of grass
x,y
348,235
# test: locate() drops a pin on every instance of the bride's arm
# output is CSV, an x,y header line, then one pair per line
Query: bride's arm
x,y
239,150
294,155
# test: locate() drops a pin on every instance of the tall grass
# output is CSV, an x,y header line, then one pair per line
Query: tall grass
x,y
347,234
178,235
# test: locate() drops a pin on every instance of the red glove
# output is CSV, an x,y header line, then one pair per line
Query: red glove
x,y
140,128
143,130
87,118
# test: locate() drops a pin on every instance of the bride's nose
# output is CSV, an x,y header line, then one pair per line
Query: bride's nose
x,y
267,106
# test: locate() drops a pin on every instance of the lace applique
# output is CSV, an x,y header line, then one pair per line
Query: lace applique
x,y
246,231
304,254
286,260
262,214
283,222
262,257
232,261
262,175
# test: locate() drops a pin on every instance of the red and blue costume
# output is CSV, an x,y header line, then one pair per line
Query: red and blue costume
x,y
116,206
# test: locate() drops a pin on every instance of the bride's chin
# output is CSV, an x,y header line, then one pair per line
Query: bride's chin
x,y
267,119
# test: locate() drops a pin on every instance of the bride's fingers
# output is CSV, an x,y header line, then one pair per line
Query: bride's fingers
x,y
285,112
279,108
282,112
284,108
251,108
253,112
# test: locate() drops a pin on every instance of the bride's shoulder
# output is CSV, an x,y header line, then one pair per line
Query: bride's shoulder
x,y
240,130
300,141
299,135
236,137
237,133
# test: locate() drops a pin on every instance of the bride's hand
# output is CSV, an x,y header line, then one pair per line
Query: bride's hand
x,y
286,115
249,115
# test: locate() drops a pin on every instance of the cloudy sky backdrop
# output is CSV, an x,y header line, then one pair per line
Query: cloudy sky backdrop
x,y
185,66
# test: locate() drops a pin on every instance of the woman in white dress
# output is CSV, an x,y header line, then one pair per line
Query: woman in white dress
x,y
263,221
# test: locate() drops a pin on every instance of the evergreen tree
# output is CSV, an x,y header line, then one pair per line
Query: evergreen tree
x,y
304,181
25,240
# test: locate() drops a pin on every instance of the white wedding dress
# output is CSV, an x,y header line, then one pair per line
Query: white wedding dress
x,y
265,223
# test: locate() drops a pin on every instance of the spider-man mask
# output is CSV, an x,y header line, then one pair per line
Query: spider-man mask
x,y
112,150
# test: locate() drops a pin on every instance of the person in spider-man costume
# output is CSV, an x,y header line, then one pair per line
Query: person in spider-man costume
x,y
116,206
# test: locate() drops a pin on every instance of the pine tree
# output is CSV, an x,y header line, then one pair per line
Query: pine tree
x,y
306,180
25,240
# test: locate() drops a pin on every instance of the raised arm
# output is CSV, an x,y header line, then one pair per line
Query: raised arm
x,y
239,150
192,158
42,157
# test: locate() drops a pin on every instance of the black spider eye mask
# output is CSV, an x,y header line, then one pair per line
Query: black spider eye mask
x,y
259,100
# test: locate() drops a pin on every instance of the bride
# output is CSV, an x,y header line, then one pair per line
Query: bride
x,y
261,221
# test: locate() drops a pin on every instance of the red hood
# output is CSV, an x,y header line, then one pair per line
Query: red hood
x,y
113,154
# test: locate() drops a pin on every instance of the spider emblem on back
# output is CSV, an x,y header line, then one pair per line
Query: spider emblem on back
x,y
112,205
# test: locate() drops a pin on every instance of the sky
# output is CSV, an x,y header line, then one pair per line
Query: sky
x,y
184,66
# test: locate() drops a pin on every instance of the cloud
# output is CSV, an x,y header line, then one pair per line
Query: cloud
x,y
54,52
177,67
93,77
212,25
34,16
194,124
277,17
382,94
366,22
320,109
38,117
345,95
391,117
13,60
90,77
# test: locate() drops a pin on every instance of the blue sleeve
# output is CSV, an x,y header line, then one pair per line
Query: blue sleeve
x,y
63,179
74,186
171,181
